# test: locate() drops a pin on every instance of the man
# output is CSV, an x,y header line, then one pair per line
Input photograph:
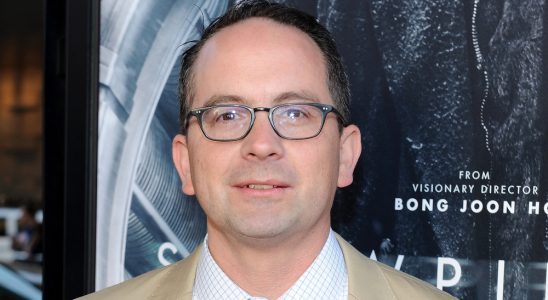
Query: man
x,y
265,143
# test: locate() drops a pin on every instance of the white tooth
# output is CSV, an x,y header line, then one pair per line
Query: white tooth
x,y
261,186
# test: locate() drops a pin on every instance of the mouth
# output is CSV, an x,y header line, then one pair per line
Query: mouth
x,y
262,185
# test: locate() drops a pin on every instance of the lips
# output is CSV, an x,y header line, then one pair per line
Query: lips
x,y
261,185
254,190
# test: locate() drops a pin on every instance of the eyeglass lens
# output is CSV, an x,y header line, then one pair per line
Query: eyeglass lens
x,y
295,121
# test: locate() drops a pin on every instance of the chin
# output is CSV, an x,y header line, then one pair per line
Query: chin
x,y
263,230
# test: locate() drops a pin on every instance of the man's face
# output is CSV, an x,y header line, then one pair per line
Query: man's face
x,y
264,186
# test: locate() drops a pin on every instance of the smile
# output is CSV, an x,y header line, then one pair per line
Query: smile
x,y
261,186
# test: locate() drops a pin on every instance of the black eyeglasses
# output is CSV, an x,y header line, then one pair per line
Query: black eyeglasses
x,y
293,121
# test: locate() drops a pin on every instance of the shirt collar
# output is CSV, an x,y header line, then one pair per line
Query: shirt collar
x,y
326,278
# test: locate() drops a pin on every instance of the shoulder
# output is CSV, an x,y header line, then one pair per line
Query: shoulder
x,y
368,279
175,279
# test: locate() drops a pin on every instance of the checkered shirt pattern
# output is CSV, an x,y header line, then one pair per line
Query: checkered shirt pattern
x,y
326,278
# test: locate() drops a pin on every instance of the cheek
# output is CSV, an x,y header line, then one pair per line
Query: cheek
x,y
203,176
319,163
199,168
203,170
209,164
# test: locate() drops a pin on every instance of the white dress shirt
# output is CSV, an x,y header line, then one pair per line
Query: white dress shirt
x,y
326,278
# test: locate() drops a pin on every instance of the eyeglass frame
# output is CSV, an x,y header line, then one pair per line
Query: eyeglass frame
x,y
324,108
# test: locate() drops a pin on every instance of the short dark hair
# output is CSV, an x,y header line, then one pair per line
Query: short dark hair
x,y
336,75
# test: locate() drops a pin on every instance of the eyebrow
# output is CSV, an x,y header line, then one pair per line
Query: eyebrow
x,y
301,95
223,99
285,96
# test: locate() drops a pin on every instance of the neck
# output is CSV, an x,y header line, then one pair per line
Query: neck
x,y
266,267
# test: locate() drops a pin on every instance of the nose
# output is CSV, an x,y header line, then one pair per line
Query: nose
x,y
262,142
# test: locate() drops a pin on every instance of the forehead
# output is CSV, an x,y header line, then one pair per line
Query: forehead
x,y
259,58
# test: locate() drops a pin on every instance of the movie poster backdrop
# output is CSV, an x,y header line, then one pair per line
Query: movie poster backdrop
x,y
450,97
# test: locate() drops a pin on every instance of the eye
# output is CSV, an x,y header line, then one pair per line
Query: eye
x,y
227,116
295,113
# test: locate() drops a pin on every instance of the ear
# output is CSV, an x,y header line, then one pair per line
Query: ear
x,y
182,163
351,148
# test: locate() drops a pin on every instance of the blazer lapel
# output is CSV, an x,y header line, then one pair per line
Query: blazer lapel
x,y
365,280
179,281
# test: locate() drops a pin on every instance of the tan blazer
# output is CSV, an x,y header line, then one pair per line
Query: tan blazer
x,y
367,280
